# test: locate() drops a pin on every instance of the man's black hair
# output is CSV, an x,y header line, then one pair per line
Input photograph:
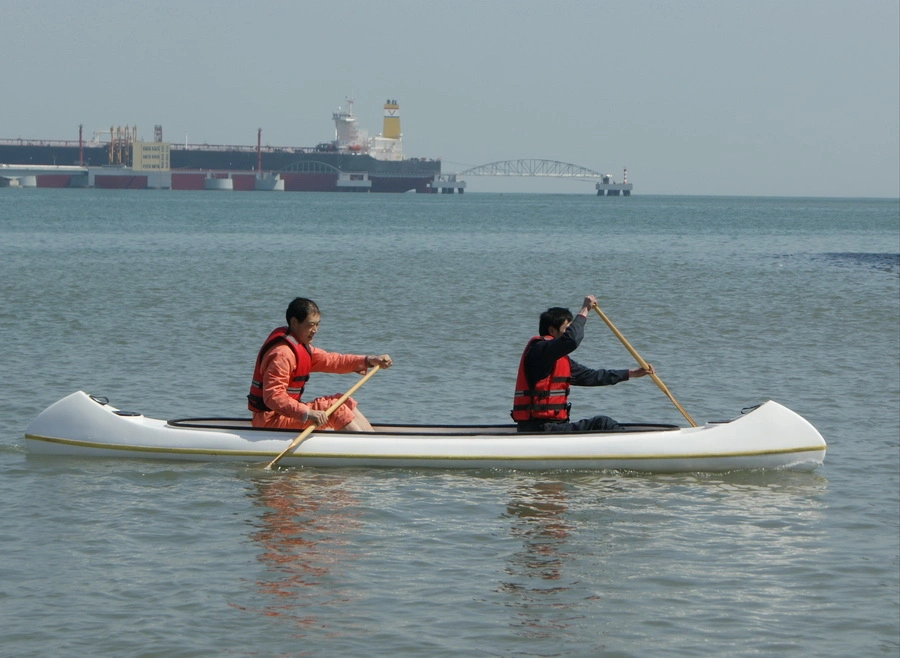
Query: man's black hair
x,y
554,317
300,308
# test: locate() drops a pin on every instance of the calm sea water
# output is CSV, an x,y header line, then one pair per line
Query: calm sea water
x,y
159,300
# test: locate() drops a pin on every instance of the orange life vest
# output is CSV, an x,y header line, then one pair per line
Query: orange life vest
x,y
255,400
548,399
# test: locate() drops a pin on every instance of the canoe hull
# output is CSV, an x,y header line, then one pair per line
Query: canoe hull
x,y
769,437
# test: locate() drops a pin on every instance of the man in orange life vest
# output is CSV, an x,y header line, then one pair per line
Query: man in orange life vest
x,y
282,369
546,372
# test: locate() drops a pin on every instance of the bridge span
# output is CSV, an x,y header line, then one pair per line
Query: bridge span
x,y
535,167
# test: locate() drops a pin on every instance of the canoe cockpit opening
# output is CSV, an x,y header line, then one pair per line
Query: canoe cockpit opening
x,y
236,424
220,424
644,427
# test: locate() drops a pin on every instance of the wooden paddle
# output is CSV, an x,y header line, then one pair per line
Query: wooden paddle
x,y
309,430
643,364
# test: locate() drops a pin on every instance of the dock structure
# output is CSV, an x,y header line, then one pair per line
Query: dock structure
x,y
447,184
354,182
608,187
26,175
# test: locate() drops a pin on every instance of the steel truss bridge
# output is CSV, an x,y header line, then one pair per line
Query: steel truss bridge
x,y
604,184
533,167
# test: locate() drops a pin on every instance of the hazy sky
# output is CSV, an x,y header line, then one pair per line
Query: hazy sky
x,y
693,97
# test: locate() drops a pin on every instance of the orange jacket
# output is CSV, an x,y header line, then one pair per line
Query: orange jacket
x,y
255,399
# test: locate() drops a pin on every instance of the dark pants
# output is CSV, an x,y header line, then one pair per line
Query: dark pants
x,y
595,424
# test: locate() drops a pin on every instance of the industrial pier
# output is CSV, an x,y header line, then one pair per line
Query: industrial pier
x,y
606,186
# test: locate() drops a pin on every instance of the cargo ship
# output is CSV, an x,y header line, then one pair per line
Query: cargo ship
x,y
352,161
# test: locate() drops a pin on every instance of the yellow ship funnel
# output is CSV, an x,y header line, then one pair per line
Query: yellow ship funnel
x,y
391,120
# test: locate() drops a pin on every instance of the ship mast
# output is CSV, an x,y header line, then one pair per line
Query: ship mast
x,y
258,150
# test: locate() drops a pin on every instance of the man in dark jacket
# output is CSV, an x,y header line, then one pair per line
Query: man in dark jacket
x,y
546,371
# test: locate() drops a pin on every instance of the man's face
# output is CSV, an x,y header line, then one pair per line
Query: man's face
x,y
305,331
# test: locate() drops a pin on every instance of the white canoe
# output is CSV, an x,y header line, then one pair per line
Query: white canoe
x,y
770,436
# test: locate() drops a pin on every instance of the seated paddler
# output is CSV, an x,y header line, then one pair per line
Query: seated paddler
x,y
282,371
546,372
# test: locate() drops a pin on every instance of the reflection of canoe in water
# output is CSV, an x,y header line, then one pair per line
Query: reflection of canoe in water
x,y
769,436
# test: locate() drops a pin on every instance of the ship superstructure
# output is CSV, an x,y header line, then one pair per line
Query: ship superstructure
x,y
348,136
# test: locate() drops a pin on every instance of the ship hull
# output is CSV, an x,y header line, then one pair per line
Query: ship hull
x,y
303,170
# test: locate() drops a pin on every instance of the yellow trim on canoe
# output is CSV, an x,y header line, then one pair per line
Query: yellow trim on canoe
x,y
305,455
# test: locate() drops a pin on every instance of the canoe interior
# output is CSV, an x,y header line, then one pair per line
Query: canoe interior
x,y
400,430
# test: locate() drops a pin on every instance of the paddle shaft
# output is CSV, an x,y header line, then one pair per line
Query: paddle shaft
x,y
643,364
300,438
